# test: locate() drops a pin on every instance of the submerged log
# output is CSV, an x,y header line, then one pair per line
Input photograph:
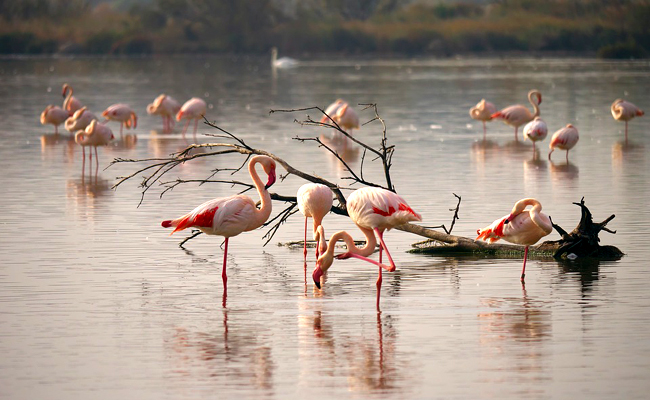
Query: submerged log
x,y
582,242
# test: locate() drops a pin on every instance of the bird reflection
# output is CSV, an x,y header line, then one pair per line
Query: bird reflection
x,y
234,357
516,147
484,150
344,147
564,171
625,153
521,320
53,140
127,141
162,145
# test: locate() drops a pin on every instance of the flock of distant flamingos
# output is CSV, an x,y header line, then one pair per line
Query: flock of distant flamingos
x,y
374,210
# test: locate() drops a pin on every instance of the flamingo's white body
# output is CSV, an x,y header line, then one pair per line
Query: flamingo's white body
x,y
483,111
123,114
536,131
373,210
282,62
624,111
564,139
70,103
167,107
521,226
79,120
193,109
314,201
230,216
519,115
94,135
54,115
341,113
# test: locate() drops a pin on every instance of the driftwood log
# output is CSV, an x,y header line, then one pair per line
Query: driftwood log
x,y
582,242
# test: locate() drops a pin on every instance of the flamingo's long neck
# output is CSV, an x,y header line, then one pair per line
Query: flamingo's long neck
x,y
534,103
68,97
264,212
365,251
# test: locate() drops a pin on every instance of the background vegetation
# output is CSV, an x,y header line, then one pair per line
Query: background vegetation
x,y
608,28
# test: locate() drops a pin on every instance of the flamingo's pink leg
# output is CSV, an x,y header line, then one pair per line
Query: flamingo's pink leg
x,y
523,271
224,277
305,243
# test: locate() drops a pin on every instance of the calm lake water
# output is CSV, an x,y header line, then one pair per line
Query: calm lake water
x,y
98,301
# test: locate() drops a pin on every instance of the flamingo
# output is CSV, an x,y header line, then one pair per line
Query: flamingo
x,y
283,62
79,120
521,226
315,201
483,112
624,111
230,216
536,131
564,139
193,109
165,106
54,115
518,115
70,103
123,114
341,113
95,135
373,210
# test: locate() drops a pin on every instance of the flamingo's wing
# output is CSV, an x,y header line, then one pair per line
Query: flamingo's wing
x,y
201,217
493,232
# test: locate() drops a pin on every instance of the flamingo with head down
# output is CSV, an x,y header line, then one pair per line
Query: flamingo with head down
x,y
79,120
314,201
564,139
70,103
521,226
230,216
94,135
374,210
483,112
54,115
193,109
518,115
624,111
167,107
341,113
123,114
536,130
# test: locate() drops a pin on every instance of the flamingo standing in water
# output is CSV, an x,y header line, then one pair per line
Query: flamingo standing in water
x,y
230,216
79,120
123,114
341,113
483,112
564,139
94,135
70,103
54,115
518,115
315,201
165,106
373,210
193,109
624,111
521,226
536,130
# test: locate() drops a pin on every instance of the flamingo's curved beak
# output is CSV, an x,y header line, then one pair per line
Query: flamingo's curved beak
x,y
271,180
317,274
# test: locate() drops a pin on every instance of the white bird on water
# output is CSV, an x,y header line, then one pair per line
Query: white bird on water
x,y
282,62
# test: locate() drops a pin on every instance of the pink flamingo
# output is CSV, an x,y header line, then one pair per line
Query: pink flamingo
x,y
94,135
624,111
521,226
230,216
54,115
315,201
193,109
536,130
564,139
79,120
70,103
123,114
341,113
483,112
518,115
166,107
373,210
